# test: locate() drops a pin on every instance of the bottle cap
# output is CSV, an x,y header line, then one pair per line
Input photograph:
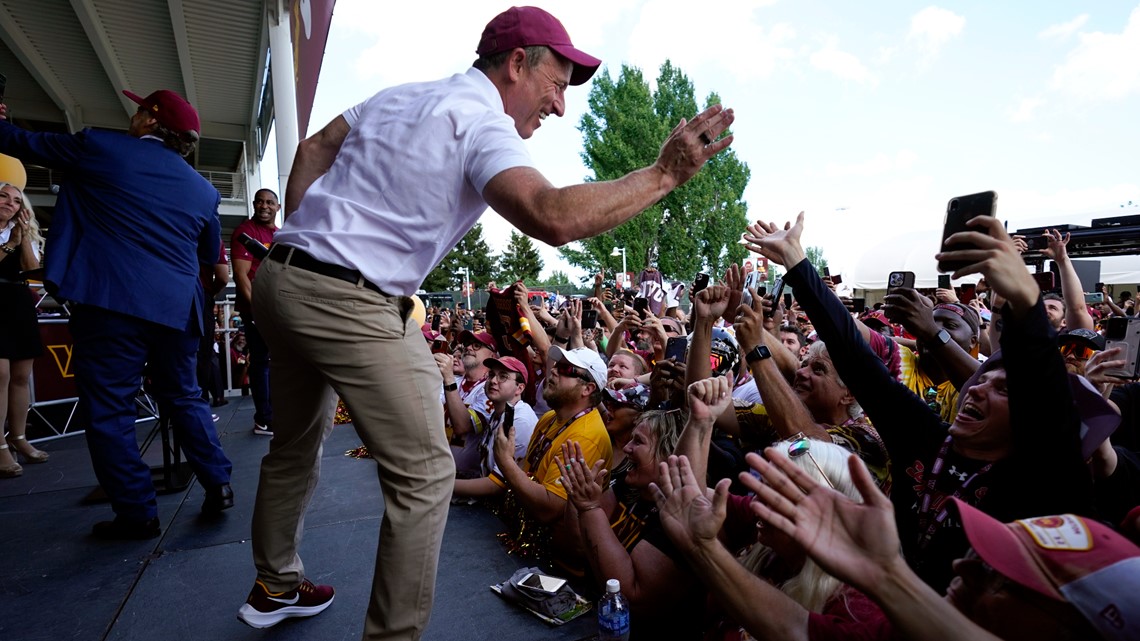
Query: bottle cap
x,y
612,586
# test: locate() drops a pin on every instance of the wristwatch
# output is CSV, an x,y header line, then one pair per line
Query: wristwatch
x,y
451,388
560,340
758,353
943,337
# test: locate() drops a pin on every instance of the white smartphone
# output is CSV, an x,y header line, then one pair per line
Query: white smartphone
x,y
542,583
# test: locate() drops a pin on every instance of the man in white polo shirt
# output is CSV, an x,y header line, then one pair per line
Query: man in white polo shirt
x,y
375,200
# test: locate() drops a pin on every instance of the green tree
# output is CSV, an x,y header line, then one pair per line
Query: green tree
x,y
557,278
815,257
520,261
696,226
473,253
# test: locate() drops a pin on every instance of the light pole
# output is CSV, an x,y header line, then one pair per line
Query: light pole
x,y
466,271
614,253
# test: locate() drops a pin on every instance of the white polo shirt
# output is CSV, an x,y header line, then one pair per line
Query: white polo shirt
x,y
408,181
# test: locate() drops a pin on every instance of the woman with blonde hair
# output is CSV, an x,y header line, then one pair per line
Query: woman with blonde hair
x,y
773,591
20,245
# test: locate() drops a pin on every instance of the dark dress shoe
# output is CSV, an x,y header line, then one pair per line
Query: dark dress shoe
x,y
218,498
126,529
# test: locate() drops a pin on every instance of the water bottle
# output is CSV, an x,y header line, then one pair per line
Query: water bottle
x,y
613,614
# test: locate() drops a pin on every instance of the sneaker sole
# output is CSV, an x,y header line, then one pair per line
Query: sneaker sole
x,y
250,616
262,432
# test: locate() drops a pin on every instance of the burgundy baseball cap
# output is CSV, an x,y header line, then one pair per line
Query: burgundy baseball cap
x,y
170,110
1068,558
509,363
531,26
468,336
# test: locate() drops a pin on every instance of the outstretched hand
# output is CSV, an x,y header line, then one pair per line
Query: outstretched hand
x,y
779,245
855,542
691,144
690,519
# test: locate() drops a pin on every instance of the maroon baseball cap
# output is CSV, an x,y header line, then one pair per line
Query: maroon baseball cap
x,y
531,26
509,363
468,336
170,110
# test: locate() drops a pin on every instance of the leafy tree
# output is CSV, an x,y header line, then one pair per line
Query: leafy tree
x,y
557,278
696,226
520,261
815,257
473,253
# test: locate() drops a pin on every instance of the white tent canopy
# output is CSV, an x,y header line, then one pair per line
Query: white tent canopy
x,y
914,252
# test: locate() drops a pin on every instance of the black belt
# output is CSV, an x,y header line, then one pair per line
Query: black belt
x,y
301,260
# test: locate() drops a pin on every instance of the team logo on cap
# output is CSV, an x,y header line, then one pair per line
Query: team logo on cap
x,y
1066,532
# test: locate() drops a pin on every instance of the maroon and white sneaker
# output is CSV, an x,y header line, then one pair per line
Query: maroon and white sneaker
x,y
264,608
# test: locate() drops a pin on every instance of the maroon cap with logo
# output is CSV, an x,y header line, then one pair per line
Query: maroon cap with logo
x,y
529,27
509,363
170,110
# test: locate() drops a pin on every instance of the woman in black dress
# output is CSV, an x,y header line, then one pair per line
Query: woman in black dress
x,y
20,243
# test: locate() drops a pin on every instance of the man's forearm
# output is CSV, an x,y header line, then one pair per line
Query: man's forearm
x,y
532,495
1076,310
458,413
786,411
314,157
918,612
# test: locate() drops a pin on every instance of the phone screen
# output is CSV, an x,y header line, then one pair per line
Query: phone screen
x,y
641,305
543,583
590,319
700,282
944,281
435,323
960,211
676,348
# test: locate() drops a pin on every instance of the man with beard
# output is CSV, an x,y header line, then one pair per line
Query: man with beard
x,y
260,228
574,388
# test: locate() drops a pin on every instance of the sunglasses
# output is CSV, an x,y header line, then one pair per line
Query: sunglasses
x,y
801,446
569,371
1077,351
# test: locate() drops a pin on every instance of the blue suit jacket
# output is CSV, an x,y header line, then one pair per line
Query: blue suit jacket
x,y
132,224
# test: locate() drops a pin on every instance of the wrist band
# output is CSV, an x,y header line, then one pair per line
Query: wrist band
x,y
451,388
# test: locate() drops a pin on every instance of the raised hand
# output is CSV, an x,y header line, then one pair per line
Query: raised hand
x,y
711,302
709,398
734,281
691,144
994,257
444,362
1099,365
582,484
779,245
1057,248
690,519
855,542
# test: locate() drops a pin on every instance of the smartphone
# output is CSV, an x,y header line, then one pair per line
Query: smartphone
x,y
788,301
255,248
435,322
1046,281
1036,243
960,211
837,279
468,323
900,279
589,319
967,293
1124,332
944,281
1094,298
508,417
858,305
440,347
700,282
641,306
777,292
542,583
1099,287
676,348
762,291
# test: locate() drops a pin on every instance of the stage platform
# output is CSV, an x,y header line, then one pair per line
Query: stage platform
x,y
58,583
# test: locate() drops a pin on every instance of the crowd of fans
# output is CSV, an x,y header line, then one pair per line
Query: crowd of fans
x,y
812,471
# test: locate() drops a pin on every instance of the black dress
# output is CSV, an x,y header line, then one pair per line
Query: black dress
x,y
19,329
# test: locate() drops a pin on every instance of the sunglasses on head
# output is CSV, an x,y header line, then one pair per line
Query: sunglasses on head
x,y
570,371
800,445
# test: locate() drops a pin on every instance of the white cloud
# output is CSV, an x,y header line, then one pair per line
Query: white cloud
x,y
745,48
1025,110
880,164
842,64
932,28
885,54
1065,29
1104,66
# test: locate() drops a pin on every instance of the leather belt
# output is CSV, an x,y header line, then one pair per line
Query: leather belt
x,y
299,259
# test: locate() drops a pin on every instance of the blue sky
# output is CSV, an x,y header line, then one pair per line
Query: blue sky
x,y
868,116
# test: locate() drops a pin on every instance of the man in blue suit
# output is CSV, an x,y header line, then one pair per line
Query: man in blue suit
x,y
134,225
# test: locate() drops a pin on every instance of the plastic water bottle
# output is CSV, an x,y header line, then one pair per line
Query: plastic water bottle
x,y
613,614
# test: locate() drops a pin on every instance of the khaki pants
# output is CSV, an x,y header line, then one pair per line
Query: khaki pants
x,y
331,337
